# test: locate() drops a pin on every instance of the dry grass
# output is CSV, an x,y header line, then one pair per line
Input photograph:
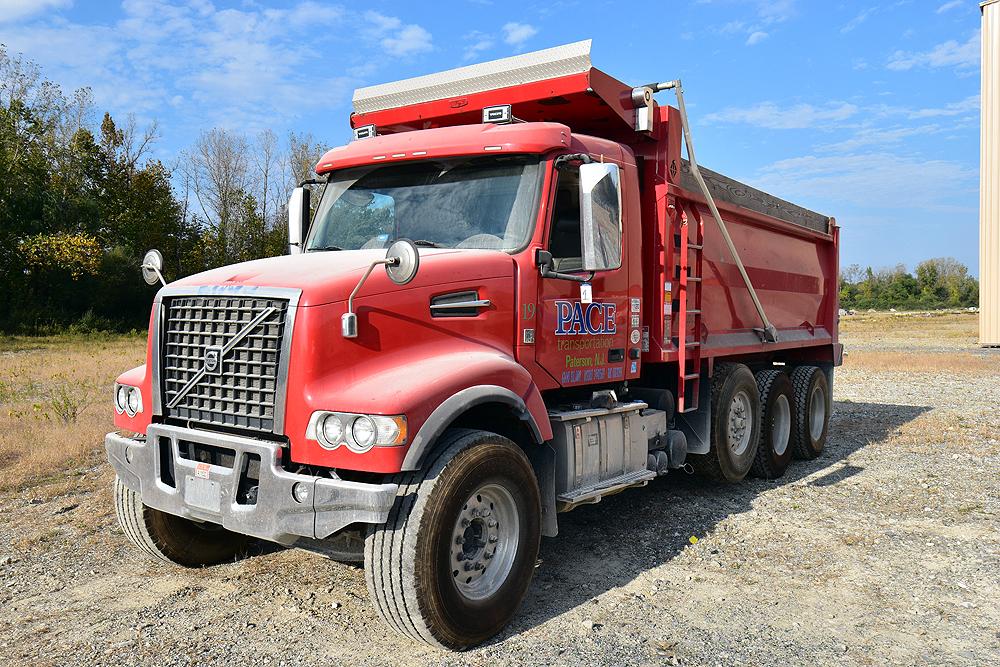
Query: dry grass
x,y
923,362
951,329
55,402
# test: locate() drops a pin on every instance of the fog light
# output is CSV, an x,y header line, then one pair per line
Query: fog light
x,y
300,492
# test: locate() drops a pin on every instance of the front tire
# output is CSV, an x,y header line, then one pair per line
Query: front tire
x,y
453,562
172,539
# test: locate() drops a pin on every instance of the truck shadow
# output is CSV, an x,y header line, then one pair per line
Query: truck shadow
x,y
604,546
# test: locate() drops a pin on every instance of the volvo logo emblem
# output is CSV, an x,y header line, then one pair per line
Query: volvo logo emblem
x,y
212,357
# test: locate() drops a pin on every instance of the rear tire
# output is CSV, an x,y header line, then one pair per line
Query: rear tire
x,y
735,425
172,539
812,408
453,562
777,401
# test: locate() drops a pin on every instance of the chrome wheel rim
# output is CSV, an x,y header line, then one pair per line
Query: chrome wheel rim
x,y
484,542
740,425
817,413
781,424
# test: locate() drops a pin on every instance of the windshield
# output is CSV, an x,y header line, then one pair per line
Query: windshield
x,y
479,202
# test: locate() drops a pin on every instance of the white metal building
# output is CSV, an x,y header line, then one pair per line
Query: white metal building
x,y
989,187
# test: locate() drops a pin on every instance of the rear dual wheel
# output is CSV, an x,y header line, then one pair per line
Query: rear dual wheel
x,y
812,407
735,425
777,401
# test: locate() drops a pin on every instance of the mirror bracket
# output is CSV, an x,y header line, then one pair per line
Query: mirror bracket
x,y
544,260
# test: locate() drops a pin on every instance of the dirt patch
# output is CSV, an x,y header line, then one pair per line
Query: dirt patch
x,y
883,551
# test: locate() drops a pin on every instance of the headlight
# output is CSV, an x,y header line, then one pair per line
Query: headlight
x,y
363,432
128,400
121,398
359,433
333,429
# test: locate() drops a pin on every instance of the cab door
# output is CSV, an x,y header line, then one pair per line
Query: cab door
x,y
582,338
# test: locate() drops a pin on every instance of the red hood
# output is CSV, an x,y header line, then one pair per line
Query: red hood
x,y
326,277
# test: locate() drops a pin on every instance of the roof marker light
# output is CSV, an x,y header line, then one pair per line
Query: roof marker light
x,y
492,148
419,153
399,155
365,132
378,157
500,114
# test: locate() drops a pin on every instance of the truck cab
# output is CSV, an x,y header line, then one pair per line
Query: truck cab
x,y
494,308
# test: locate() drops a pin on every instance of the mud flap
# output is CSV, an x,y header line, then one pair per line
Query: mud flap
x,y
696,425
543,460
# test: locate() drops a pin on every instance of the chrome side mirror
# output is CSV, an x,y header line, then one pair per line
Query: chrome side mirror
x,y
152,267
298,219
402,260
600,216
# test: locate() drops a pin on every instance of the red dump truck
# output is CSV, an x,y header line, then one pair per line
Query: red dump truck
x,y
514,296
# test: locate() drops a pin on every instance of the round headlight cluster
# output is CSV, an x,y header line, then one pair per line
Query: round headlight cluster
x,y
128,400
359,433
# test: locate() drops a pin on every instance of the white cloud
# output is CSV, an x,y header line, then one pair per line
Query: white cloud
x,y
872,136
516,34
756,37
769,115
961,55
396,38
477,43
858,20
249,67
775,11
15,10
873,181
967,106
409,40
950,5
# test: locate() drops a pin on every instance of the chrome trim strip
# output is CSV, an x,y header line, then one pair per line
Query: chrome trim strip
x,y
292,295
456,305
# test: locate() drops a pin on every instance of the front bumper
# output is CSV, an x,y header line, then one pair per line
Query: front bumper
x,y
217,493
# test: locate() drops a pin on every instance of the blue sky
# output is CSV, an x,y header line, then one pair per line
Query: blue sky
x,y
865,111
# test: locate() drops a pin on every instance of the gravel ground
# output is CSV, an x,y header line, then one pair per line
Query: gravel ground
x,y
883,551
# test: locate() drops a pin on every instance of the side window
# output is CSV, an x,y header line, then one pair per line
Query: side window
x,y
564,242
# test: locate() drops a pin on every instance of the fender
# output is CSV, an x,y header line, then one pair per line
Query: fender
x,y
454,406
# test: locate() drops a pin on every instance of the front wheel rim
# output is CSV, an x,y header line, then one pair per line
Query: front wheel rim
x,y
484,542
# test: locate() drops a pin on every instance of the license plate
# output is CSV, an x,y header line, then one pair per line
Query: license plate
x,y
202,493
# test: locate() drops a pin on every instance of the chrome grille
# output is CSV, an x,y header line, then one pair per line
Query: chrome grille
x,y
221,359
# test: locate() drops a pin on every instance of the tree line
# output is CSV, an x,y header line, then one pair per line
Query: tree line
x,y
82,199
943,282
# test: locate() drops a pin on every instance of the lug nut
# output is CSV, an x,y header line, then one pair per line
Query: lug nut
x,y
488,555
480,566
468,567
492,523
465,523
493,539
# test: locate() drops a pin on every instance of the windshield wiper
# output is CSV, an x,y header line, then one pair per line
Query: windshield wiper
x,y
428,244
326,247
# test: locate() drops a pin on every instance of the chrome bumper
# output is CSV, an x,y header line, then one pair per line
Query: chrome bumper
x,y
206,492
